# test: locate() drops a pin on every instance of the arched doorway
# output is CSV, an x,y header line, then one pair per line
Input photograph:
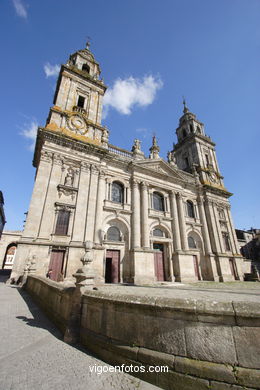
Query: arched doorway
x,y
160,243
117,263
9,256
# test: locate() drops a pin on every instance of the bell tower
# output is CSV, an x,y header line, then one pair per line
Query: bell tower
x,y
195,151
77,108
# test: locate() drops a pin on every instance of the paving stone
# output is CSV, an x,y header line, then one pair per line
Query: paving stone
x,y
33,355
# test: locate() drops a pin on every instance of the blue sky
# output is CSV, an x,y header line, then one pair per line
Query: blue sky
x,y
206,50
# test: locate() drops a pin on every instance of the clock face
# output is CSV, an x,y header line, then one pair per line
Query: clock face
x,y
77,124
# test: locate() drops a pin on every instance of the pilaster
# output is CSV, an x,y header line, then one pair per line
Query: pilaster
x,y
183,231
175,222
48,214
99,209
90,220
136,231
39,196
214,234
144,211
82,203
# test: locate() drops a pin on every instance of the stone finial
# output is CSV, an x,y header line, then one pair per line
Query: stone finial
x,y
185,108
154,150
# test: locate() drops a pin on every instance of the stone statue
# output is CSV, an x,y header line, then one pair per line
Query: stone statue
x,y
137,145
69,179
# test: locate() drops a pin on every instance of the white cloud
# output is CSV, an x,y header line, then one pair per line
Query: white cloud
x,y
20,8
51,70
143,132
130,92
29,131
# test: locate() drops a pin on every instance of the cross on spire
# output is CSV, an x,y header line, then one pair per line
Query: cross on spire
x,y
88,42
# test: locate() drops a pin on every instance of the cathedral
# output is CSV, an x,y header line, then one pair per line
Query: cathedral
x,y
145,220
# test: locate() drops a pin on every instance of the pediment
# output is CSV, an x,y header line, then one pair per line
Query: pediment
x,y
161,167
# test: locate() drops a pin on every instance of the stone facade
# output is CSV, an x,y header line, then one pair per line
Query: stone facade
x,y
146,219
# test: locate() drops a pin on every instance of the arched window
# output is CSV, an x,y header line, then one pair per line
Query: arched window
x,y
158,232
113,234
117,193
158,201
184,133
86,68
198,130
190,209
191,128
191,242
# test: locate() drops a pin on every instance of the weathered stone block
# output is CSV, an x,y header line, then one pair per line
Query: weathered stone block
x,y
226,386
155,358
247,313
204,369
211,343
247,340
248,378
163,334
175,381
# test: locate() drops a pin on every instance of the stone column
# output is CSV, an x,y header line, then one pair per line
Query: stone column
x,y
38,197
99,209
136,215
183,232
175,222
92,196
81,205
214,231
232,233
219,230
144,210
205,231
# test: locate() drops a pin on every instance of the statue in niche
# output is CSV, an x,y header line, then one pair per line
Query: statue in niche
x,y
69,179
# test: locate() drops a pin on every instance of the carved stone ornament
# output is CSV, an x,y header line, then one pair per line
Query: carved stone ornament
x,y
46,156
77,124
57,159
85,166
67,191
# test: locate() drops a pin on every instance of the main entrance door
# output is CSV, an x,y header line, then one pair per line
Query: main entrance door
x,y
56,264
112,271
159,262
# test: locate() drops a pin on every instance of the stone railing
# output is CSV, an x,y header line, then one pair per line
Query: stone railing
x,y
204,344
120,151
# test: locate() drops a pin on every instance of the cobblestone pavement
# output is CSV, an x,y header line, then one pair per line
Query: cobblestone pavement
x,y
33,356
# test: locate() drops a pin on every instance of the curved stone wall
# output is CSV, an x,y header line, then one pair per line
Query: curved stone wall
x,y
206,345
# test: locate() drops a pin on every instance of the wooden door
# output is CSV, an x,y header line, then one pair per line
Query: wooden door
x,y
159,262
56,264
196,267
112,271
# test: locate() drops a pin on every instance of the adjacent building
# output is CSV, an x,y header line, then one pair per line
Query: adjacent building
x,y
146,219
2,214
